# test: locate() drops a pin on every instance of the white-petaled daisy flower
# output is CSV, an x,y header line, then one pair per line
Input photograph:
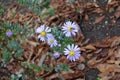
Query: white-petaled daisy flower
x,y
70,28
72,52
52,41
44,32
56,55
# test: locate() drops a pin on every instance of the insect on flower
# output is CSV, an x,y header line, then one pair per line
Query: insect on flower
x,y
44,32
70,28
52,41
9,33
72,52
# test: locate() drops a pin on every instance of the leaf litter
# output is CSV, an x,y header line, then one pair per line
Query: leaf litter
x,y
102,55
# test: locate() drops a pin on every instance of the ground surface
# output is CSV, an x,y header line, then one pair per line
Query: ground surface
x,y
90,30
96,25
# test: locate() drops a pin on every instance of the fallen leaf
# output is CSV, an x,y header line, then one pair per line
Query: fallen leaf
x,y
105,77
105,67
103,44
115,41
90,47
89,56
86,17
98,51
82,59
99,19
32,43
93,62
117,12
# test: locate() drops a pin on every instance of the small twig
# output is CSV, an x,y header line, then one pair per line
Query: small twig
x,y
29,58
38,54
42,59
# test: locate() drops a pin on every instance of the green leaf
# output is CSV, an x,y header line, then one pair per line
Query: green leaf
x,y
17,29
64,67
13,77
13,45
18,53
99,78
6,55
2,9
32,66
51,11
63,41
15,32
0,45
47,67
39,79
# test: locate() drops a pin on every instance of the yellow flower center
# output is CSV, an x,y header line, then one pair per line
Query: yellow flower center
x,y
72,53
70,28
51,41
43,33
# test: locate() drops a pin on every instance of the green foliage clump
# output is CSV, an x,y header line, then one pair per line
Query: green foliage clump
x,y
63,41
2,9
11,45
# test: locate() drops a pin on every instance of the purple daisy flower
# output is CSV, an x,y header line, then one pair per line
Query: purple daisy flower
x,y
9,33
56,55
44,32
72,52
70,29
52,41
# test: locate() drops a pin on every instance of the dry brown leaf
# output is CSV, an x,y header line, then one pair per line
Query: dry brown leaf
x,y
70,76
52,76
42,58
117,12
86,17
117,54
82,49
57,75
82,59
103,44
117,62
99,19
9,14
106,67
90,47
108,70
112,4
105,77
32,43
98,51
98,11
93,62
115,41
89,5
89,56
116,76
110,61
54,3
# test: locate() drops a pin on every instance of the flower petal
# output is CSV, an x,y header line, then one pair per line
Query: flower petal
x,y
39,30
48,29
68,34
